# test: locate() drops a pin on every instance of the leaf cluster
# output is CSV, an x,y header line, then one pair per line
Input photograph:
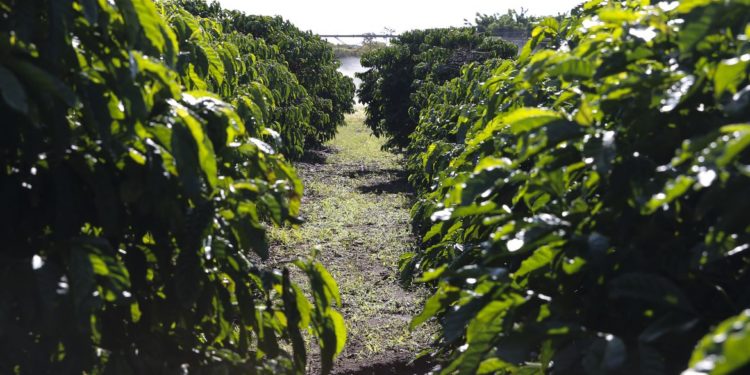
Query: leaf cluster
x,y
583,208
238,65
312,60
135,190
512,20
307,56
401,75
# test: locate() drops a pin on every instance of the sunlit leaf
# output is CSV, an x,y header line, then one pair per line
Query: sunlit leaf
x,y
724,350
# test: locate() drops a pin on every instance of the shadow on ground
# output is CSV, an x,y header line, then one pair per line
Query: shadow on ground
x,y
317,156
394,186
383,181
367,172
399,365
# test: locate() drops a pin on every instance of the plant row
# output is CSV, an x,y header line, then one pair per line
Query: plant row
x,y
401,75
583,207
140,166
327,93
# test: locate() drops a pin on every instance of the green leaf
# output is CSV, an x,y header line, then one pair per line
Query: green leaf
x,y
331,289
100,268
273,206
215,65
725,349
494,366
482,332
617,15
696,30
433,274
730,74
673,190
434,304
42,81
250,235
294,317
251,114
656,290
527,119
435,230
82,284
155,69
455,320
573,69
206,156
154,29
541,258
90,10
135,312
105,264
340,330
12,91
303,306
735,146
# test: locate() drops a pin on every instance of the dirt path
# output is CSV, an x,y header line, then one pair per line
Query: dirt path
x,y
356,208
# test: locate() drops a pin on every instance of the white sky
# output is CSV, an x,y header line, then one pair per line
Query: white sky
x,y
355,17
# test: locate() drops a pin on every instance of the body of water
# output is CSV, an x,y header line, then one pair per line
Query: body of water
x,y
351,65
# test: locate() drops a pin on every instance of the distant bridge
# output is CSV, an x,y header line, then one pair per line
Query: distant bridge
x,y
359,36
519,38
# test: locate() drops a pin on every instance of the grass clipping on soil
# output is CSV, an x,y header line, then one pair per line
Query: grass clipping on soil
x,y
356,211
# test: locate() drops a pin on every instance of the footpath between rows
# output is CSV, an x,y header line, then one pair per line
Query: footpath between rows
x,y
356,212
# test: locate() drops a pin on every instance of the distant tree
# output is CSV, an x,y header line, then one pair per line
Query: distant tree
x,y
513,20
392,87
201,8
307,56
369,38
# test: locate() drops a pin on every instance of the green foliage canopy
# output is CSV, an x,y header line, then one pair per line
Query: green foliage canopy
x,y
512,20
312,60
400,74
307,56
239,65
134,191
583,209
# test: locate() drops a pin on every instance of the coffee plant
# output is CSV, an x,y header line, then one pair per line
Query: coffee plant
x,y
445,121
135,189
583,208
400,75
238,65
307,56
512,20
311,59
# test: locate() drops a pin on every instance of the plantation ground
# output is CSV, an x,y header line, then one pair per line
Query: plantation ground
x,y
356,208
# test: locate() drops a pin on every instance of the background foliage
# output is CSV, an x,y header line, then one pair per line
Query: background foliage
x,y
135,187
307,56
583,208
312,60
238,65
512,20
399,76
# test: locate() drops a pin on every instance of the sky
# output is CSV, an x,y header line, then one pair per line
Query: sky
x,y
357,17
